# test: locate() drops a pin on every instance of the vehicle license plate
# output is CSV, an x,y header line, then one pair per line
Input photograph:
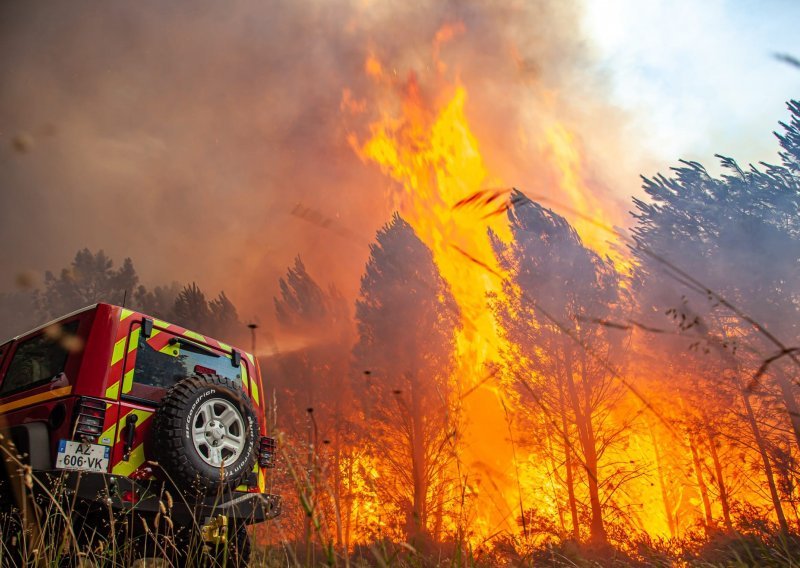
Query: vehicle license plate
x,y
81,456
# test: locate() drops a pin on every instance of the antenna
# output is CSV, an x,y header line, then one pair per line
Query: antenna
x,y
124,297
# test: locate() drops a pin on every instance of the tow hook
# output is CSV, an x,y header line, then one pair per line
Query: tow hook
x,y
215,531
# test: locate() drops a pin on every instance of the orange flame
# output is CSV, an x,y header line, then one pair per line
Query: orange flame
x,y
443,188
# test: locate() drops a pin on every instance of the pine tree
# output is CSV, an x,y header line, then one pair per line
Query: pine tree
x,y
559,357
191,308
406,318
91,278
719,261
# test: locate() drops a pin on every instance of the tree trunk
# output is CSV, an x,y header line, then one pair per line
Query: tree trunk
x,y
417,522
554,463
663,485
701,484
721,487
762,449
337,471
438,515
790,402
597,531
310,465
573,505
349,503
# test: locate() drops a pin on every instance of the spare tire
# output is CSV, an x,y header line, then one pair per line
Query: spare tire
x,y
205,434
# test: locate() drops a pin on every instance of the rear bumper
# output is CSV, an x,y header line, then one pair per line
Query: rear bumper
x,y
154,496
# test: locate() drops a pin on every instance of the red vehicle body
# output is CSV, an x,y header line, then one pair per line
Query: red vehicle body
x,y
96,380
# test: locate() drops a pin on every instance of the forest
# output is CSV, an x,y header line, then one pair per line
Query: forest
x,y
634,408
529,400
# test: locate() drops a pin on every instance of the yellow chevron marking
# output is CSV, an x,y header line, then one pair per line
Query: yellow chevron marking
x,y
56,393
127,381
125,314
252,359
134,342
113,391
245,379
224,346
109,433
173,350
194,335
141,416
119,351
135,460
121,467
254,393
159,323
244,486
262,481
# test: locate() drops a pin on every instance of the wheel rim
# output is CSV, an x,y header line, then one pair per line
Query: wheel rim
x,y
218,432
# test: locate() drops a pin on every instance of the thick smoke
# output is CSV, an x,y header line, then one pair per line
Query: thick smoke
x,y
186,136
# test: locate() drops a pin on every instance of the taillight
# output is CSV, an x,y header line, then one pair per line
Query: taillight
x,y
130,497
266,452
90,415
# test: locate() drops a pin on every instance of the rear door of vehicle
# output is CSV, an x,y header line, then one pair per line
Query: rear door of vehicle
x,y
155,361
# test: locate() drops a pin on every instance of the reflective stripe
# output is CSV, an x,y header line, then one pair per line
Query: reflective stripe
x,y
125,314
134,343
119,351
254,393
113,391
135,460
141,416
194,335
136,457
245,379
57,393
173,350
127,381
109,433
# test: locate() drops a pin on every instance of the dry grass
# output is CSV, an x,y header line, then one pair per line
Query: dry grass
x,y
50,528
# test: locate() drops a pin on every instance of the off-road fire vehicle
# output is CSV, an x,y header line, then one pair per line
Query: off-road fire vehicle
x,y
125,414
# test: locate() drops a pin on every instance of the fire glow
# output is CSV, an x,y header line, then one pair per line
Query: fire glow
x,y
441,189
503,482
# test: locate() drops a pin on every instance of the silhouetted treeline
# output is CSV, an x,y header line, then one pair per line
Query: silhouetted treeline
x,y
92,277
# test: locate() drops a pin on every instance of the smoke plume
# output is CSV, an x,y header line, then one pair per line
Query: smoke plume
x,y
209,141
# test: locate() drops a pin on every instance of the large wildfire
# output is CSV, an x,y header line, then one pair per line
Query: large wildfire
x,y
476,345
446,192
552,430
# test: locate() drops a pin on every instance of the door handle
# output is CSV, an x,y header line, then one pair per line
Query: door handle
x,y
129,435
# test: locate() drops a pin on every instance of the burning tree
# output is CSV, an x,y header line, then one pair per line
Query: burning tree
x,y
314,401
719,258
558,356
407,320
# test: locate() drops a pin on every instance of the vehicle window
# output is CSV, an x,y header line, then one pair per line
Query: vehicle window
x,y
38,360
177,360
